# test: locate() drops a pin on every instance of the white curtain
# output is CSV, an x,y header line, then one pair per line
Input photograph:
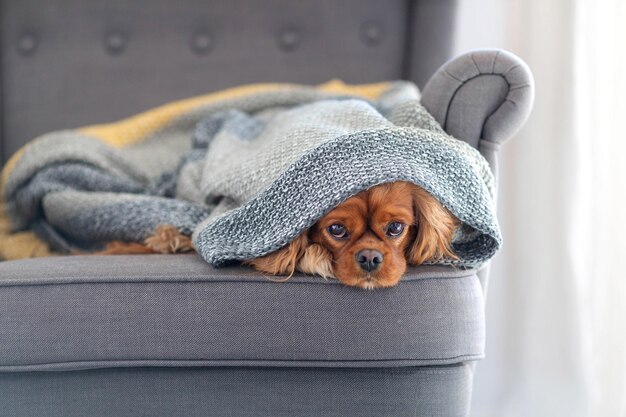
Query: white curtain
x,y
556,306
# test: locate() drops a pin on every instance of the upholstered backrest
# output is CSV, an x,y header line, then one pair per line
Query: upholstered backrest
x,y
67,63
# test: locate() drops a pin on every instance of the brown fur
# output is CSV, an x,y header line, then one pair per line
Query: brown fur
x,y
428,234
165,239
284,261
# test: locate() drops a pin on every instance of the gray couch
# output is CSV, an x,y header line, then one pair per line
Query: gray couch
x,y
171,336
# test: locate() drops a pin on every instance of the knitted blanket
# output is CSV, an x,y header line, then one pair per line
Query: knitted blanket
x,y
244,171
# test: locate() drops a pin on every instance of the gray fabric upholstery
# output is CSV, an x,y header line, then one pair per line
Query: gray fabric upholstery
x,y
239,392
68,63
429,39
174,310
483,97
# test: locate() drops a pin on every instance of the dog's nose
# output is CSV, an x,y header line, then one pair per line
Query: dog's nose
x,y
369,259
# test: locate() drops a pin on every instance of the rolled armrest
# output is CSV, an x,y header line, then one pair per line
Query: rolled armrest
x,y
481,96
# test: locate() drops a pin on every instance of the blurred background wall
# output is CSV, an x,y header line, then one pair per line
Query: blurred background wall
x,y
556,307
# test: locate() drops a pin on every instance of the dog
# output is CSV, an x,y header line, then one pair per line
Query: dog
x,y
367,241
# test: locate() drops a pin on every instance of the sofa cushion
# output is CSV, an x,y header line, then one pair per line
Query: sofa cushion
x,y
84,312
441,391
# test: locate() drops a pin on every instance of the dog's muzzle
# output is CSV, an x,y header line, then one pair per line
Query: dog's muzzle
x,y
369,259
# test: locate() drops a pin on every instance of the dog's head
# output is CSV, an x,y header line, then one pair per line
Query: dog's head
x,y
368,240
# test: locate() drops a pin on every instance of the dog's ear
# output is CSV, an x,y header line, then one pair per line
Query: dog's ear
x,y
317,260
285,260
435,229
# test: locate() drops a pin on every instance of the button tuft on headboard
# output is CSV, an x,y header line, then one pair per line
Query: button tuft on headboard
x,y
115,42
372,33
201,43
288,40
27,44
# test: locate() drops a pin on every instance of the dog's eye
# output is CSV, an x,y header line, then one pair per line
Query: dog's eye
x,y
337,231
395,229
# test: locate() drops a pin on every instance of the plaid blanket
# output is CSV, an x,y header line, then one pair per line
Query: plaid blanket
x,y
244,171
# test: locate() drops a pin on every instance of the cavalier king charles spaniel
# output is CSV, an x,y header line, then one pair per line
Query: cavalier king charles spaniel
x,y
367,241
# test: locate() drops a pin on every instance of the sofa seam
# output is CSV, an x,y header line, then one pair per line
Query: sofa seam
x,y
273,362
456,90
140,279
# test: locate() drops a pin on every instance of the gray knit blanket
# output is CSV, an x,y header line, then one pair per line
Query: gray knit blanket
x,y
245,175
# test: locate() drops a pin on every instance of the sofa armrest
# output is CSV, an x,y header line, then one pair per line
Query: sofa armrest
x,y
482,97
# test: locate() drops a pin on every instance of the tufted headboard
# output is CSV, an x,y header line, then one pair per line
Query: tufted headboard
x,y
67,63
